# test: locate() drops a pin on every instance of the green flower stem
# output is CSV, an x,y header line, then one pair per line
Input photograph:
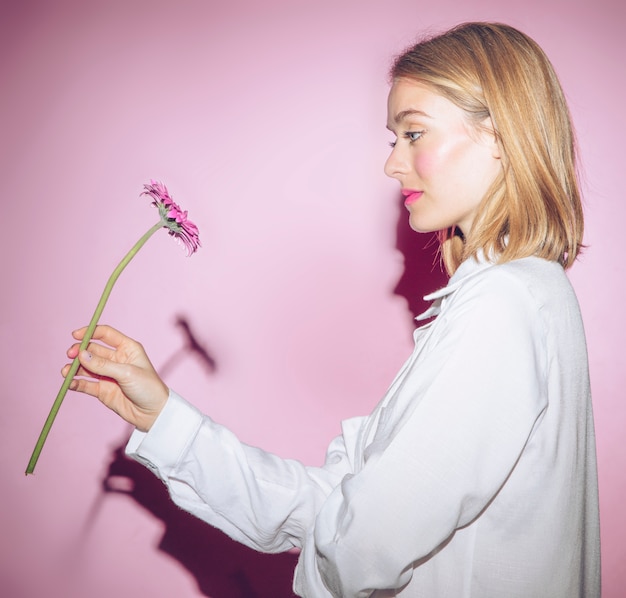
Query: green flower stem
x,y
85,342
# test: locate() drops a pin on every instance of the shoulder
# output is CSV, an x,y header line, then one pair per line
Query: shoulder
x,y
532,279
524,292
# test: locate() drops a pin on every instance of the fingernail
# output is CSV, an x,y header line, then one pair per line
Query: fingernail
x,y
87,355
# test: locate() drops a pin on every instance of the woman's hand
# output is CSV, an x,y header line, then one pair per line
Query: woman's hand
x,y
117,372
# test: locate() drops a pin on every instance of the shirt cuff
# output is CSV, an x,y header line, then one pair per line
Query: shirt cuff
x,y
162,447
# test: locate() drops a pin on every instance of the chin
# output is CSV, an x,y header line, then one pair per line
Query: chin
x,y
421,227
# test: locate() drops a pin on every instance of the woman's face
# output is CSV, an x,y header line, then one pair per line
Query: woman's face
x,y
444,165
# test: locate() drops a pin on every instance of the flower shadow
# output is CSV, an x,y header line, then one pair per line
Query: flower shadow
x,y
192,346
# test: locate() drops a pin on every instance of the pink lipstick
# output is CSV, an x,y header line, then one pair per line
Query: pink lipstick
x,y
411,196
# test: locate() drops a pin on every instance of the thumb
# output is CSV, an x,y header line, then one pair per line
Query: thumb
x,y
99,365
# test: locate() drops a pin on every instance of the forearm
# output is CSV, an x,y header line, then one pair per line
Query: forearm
x,y
257,498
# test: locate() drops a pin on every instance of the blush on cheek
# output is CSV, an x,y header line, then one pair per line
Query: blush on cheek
x,y
425,164
444,154
431,162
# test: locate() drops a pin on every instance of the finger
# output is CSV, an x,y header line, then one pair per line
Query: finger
x,y
102,332
110,335
93,348
97,366
88,387
80,333
81,371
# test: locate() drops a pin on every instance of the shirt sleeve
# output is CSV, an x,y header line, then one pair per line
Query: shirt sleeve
x,y
471,402
257,498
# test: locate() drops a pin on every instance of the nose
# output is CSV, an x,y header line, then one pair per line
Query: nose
x,y
395,166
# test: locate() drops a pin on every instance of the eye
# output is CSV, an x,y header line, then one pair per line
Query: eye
x,y
413,136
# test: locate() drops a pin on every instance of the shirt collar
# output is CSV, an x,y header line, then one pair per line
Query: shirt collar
x,y
468,269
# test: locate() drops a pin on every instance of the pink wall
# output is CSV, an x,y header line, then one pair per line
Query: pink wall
x,y
266,121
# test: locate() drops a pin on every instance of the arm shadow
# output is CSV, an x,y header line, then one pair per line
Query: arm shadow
x,y
221,567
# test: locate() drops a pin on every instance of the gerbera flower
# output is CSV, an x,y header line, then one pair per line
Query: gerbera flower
x,y
173,217
175,220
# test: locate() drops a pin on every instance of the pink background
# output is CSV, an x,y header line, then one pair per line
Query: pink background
x,y
266,121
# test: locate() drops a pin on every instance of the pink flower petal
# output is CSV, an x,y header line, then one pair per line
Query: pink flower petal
x,y
174,218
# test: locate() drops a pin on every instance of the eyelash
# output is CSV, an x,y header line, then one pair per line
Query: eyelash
x,y
409,135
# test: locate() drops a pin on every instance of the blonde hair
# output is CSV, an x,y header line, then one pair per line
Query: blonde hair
x,y
491,70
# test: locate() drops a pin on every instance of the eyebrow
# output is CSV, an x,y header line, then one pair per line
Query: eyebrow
x,y
411,112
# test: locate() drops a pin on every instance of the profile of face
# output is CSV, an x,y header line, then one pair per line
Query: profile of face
x,y
444,164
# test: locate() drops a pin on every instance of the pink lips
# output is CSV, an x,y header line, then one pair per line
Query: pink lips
x,y
411,196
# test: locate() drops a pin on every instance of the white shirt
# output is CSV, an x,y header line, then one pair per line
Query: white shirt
x,y
474,477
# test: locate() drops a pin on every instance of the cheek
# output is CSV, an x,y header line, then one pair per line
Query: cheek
x,y
436,159
446,158
426,164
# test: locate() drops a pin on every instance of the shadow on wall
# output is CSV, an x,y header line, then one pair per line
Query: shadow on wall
x,y
423,272
222,567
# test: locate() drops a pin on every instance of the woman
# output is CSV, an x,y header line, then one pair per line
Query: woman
x,y
475,476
